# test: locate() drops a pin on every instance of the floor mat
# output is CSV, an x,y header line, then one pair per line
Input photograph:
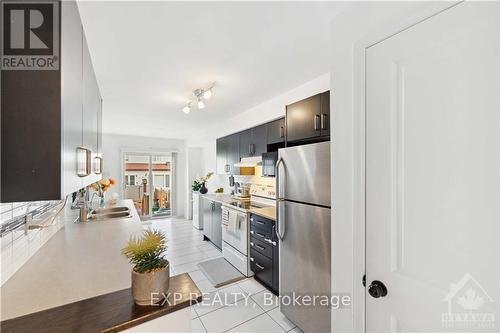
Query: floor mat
x,y
220,272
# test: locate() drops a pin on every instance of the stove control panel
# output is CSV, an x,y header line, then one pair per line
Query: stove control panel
x,y
266,191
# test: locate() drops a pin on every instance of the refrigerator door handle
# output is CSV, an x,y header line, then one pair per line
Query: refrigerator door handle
x,y
279,200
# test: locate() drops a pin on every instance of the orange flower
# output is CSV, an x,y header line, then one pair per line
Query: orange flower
x,y
112,181
94,186
104,182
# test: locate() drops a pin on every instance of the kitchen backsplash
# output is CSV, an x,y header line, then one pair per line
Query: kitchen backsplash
x,y
223,181
17,247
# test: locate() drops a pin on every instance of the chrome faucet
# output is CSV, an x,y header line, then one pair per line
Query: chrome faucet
x,y
87,206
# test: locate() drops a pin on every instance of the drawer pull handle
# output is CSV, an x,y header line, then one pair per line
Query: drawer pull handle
x,y
261,235
252,244
270,241
261,267
261,223
260,247
251,219
252,259
251,231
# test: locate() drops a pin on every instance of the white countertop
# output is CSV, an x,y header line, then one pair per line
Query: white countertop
x,y
81,260
225,199
267,212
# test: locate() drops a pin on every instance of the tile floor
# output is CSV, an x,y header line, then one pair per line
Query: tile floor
x,y
244,306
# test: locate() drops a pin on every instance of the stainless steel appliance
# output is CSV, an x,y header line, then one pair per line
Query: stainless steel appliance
x,y
235,239
303,215
236,225
269,163
212,222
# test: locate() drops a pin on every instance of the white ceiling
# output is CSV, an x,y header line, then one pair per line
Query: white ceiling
x,y
149,56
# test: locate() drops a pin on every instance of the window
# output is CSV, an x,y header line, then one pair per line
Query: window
x,y
167,180
159,180
130,180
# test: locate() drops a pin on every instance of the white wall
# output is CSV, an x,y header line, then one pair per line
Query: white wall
x,y
363,23
262,113
195,168
113,145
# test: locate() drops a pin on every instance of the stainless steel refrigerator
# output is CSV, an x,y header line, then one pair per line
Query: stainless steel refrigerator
x,y
303,228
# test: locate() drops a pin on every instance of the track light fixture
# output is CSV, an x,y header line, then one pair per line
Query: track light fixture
x,y
207,94
199,95
201,105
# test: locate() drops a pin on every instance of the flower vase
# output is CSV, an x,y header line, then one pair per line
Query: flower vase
x,y
203,189
101,201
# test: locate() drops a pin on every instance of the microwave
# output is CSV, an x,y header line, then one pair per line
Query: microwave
x,y
269,163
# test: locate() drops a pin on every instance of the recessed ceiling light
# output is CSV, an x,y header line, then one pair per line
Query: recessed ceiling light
x,y
187,109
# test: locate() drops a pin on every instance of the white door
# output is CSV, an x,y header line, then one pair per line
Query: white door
x,y
432,174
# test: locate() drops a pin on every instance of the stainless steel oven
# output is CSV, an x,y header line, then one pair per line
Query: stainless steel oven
x,y
235,239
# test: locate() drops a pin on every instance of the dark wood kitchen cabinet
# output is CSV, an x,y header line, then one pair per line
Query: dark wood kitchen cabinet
x,y
259,140
46,115
264,251
253,141
276,131
245,143
221,148
308,119
228,153
233,153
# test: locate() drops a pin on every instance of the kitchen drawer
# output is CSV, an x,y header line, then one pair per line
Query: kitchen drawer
x,y
236,258
261,234
262,267
262,223
263,247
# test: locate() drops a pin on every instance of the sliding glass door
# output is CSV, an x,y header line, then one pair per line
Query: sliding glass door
x,y
147,180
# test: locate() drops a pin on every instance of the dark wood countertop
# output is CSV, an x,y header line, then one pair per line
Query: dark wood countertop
x,y
111,312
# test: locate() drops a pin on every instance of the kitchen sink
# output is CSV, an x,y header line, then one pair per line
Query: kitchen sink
x,y
110,213
110,210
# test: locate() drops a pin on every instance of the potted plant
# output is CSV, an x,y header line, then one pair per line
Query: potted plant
x,y
151,271
199,184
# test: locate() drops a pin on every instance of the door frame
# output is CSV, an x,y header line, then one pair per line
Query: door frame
x,y
356,268
173,173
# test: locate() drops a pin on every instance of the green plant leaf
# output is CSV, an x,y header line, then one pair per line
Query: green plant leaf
x,y
146,252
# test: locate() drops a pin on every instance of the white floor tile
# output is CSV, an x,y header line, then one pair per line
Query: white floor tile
x,y
251,286
218,299
205,286
194,314
230,316
197,326
281,319
266,300
186,268
197,276
261,324
188,258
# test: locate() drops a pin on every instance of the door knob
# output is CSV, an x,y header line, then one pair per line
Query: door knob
x,y
377,289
